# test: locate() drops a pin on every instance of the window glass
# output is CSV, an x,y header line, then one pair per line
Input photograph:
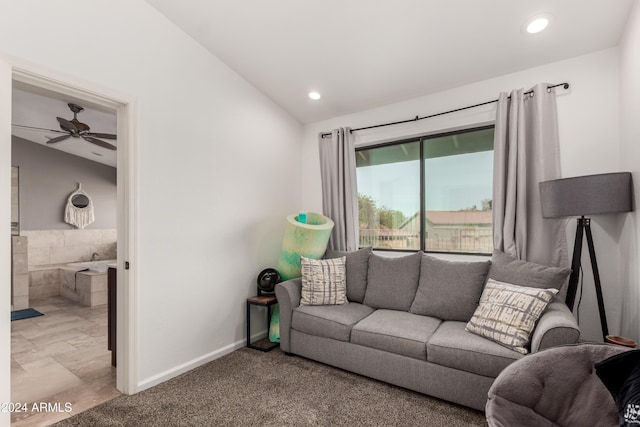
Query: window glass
x,y
389,195
432,193
458,175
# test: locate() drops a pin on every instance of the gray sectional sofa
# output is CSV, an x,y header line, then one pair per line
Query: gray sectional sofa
x,y
405,322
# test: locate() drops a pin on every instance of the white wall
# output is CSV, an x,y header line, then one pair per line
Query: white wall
x,y
630,161
218,167
588,116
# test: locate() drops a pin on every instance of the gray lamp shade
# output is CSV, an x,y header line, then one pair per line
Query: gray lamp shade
x,y
586,195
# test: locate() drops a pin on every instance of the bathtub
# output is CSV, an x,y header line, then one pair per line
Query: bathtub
x,y
95,266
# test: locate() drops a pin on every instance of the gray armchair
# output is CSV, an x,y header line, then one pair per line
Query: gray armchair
x,y
554,387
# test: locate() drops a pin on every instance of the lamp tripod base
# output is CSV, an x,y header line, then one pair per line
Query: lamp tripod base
x,y
584,227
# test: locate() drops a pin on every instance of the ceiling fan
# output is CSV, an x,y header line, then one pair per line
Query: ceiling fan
x,y
76,129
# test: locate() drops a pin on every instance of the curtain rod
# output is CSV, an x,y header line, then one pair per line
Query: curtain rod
x,y
416,118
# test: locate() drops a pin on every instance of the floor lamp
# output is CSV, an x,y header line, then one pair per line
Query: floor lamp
x,y
580,196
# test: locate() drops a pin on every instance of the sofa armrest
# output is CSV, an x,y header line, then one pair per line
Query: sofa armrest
x,y
288,295
556,326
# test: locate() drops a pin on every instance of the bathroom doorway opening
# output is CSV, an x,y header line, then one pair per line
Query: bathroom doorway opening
x,y
45,82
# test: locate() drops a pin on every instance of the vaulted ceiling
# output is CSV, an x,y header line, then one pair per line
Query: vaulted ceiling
x,y
361,54
357,54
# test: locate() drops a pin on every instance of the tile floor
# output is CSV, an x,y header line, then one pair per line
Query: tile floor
x,y
61,357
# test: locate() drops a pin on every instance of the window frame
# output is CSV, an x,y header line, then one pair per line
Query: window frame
x,y
421,139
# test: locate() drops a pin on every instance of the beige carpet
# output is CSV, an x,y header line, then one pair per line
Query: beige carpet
x,y
252,388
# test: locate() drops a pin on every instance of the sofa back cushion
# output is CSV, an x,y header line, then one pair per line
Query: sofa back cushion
x,y
357,266
505,268
392,282
449,290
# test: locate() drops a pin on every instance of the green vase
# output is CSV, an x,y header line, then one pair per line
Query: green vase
x,y
308,239
274,327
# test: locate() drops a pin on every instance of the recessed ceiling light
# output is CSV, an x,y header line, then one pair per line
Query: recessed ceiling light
x,y
314,95
537,23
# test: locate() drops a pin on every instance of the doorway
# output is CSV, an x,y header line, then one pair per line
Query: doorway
x,y
98,97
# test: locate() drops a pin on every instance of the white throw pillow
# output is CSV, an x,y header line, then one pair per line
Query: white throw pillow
x,y
323,281
507,314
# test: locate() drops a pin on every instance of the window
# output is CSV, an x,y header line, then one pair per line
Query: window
x,y
431,193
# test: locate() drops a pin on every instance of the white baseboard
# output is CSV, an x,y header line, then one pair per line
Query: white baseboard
x,y
199,361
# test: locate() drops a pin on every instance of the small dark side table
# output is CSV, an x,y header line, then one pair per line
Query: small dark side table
x,y
262,301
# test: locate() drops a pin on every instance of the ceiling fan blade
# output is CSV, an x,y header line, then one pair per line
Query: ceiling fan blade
x,y
67,125
99,142
102,135
38,129
58,139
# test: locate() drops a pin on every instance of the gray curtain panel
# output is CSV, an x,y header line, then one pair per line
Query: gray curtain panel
x,y
339,192
526,151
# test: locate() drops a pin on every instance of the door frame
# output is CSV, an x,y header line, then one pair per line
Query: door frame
x,y
125,108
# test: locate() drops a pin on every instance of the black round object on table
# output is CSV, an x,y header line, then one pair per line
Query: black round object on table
x,y
267,280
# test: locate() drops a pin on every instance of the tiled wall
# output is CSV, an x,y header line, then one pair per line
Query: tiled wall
x,y
44,283
48,247
87,288
15,200
19,273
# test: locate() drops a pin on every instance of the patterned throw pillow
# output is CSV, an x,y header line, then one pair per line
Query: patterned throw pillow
x,y
323,281
508,313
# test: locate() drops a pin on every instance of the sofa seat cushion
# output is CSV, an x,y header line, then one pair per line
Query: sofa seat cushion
x,y
397,332
453,347
329,321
